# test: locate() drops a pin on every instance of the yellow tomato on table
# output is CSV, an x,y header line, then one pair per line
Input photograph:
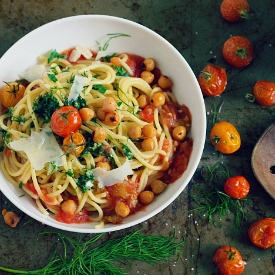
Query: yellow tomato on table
x,y
225,137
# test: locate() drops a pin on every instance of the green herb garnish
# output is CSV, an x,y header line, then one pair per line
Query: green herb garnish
x,y
120,71
54,54
88,259
85,181
210,200
52,77
111,36
45,106
100,88
128,153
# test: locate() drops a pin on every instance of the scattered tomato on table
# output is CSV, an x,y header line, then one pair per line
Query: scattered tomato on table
x,y
235,10
264,92
212,80
65,121
237,187
11,94
238,51
225,137
262,233
229,260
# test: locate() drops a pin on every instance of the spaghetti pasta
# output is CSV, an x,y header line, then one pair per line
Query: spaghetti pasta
x,y
128,165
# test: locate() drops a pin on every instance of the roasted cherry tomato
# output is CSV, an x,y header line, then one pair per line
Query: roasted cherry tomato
x,y
74,144
147,114
212,80
11,93
235,10
264,92
229,260
238,51
262,233
237,187
225,137
65,121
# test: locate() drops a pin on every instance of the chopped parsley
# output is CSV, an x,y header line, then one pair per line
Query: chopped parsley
x,y
120,71
20,119
79,103
52,168
52,77
45,106
85,181
54,54
100,88
70,173
128,153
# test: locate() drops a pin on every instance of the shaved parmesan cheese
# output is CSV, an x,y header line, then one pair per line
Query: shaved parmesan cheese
x,y
108,178
40,148
77,87
84,51
101,54
74,56
78,51
34,72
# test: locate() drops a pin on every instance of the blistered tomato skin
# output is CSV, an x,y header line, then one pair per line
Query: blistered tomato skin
x,y
212,80
264,92
235,10
237,187
225,137
262,233
238,51
229,260
65,121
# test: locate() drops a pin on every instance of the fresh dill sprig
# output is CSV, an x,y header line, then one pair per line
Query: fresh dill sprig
x,y
211,200
102,259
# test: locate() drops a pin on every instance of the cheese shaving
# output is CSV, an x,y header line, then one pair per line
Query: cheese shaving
x,y
77,87
40,148
108,178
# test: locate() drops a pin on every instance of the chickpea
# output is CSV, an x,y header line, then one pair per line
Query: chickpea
x,y
134,132
99,134
86,114
146,197
142,101
149,64
68,206
179,133
108,104
104,165
147,76
148,144
158,99
122,209
112,119
149,131
101,114
158,186
164,82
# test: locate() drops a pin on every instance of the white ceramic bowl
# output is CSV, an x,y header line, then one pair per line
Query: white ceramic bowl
x,y
86,30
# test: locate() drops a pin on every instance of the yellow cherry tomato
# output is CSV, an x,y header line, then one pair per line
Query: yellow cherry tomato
x,y
225,137
11,93
74,143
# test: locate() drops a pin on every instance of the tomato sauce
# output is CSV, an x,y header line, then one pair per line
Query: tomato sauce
x,y
80,217
179,161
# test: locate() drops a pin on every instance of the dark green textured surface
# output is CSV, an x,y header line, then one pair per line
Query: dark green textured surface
x,y
197,30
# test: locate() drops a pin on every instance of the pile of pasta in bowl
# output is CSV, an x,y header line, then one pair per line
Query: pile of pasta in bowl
x,y
95,138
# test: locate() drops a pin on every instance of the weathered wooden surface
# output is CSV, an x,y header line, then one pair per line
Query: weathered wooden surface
x,y
197,30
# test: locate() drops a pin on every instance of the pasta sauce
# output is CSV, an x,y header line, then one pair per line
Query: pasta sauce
x,y
129,141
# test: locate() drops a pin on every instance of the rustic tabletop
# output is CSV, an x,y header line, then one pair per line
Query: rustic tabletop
x,y
198,31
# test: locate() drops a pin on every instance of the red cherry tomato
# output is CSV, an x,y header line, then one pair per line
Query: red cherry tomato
x,y
238,51
229,260
237,187
235,10
264,92
212,80
65,121
147,114
262,233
